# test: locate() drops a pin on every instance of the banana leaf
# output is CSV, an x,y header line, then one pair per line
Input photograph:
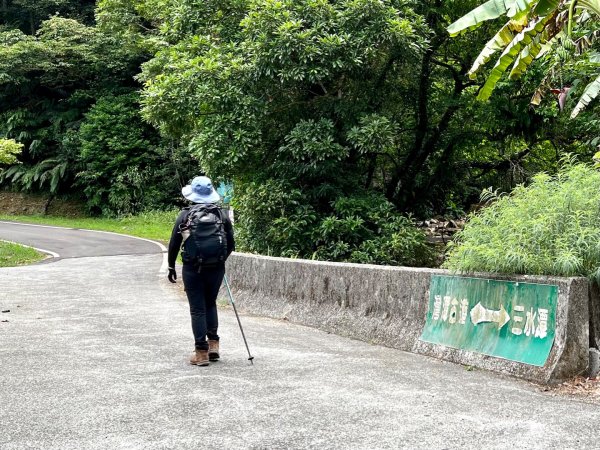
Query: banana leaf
x,y
525,58
545,7
590,5
519,9
510,53
539,45
591,91
491,9
502,38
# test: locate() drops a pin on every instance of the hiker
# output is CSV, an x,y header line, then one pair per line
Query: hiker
x,y
204,233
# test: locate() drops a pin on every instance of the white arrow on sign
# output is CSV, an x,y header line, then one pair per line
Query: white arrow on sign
x,y
481,314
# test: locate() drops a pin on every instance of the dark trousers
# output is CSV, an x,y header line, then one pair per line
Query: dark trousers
x,y
202,289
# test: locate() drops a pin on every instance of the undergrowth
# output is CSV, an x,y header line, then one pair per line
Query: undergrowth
x,y
551,227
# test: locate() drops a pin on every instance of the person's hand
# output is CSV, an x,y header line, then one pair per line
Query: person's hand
x,y
172,275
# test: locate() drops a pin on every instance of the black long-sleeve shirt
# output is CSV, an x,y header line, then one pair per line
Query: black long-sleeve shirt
x,y
177,239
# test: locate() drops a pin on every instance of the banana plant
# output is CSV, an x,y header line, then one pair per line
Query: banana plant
x,y
591,91
531,31
524,40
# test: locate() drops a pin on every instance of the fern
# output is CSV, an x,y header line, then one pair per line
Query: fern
x,y
50,172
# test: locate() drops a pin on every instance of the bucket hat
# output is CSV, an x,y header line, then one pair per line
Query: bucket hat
x,y
201,190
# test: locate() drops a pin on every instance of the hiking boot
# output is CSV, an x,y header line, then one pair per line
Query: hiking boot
x,y
213,350
199,358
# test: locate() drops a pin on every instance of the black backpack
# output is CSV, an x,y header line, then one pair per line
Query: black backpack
x,y
204,237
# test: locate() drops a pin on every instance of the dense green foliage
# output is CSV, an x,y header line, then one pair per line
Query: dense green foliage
x,y
336,121
299,88
122,162
551,227
334,101
68,96
27,15
363,229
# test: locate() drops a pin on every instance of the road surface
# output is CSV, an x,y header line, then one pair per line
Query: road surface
x,y
93,355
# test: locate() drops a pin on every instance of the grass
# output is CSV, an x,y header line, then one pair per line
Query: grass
x,y
151,225
17,255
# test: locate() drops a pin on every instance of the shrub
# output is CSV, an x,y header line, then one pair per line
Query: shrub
x,y
273,218
551,227
9,149
126,169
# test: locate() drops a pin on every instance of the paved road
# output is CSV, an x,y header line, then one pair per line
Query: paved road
x,y
94,356
73,243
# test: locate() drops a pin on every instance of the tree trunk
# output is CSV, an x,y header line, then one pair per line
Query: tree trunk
x,y
422,121
371,170
47,205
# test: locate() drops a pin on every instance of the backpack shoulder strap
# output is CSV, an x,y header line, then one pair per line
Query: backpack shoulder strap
x,y
185,214
220,213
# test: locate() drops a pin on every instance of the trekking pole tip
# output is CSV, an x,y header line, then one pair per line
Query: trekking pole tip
x,y
250,359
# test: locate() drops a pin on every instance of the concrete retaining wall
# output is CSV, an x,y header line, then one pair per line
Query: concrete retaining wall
x,y
388,305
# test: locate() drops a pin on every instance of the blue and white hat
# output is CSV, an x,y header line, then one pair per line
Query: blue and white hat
x,y
201,190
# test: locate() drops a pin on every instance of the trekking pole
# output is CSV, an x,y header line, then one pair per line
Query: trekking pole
x,y
250,357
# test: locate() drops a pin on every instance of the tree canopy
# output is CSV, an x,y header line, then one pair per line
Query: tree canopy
x,y
51,84
343,117
380,87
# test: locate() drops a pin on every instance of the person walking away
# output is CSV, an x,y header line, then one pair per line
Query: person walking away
x,y
204,233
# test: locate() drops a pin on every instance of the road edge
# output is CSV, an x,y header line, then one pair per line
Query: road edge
x,y
163,267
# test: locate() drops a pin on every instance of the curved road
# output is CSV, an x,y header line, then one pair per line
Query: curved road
x,y
73,243
93,355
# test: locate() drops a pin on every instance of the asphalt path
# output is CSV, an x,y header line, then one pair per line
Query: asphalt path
x,y
73,243
93,355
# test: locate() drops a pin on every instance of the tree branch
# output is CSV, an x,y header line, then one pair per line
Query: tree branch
x,y
503,164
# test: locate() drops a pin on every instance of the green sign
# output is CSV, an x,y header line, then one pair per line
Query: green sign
x,y
506,319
